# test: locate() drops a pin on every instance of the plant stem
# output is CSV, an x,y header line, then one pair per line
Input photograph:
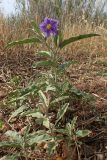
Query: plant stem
x,y
79,158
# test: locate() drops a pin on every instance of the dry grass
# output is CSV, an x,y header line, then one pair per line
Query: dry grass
x,y
19,27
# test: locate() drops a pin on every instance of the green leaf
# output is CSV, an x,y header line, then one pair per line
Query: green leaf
x,y
14,136
102,63
60,99
76,92
39,139
58,38
51,147
102,72
46,123
9,144
76,38
65,87
73,123
29,90
16,99
43,98
66,64
23,41
83,133
24,93
45,53
70,127
35,115
62,131
39,121
55,39
44,64
61,112
1,124
36,27
17,111
50,88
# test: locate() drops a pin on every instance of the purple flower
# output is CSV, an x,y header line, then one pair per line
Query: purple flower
x,y
49,27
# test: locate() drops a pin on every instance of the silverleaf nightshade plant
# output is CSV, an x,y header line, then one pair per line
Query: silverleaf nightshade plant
x,y
51,89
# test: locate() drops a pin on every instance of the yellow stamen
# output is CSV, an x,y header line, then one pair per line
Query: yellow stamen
x,y
49,26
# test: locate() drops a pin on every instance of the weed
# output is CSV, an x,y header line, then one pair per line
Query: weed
x,y
45,102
